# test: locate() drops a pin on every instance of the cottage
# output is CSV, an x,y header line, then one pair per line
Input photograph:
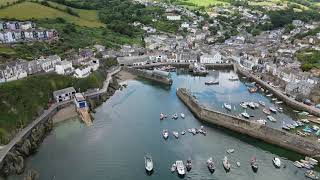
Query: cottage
x,y
13,71
215,57
82,72
48,64
34,67
64,67
64,94
173,17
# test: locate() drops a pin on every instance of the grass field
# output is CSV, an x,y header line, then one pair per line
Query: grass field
x,y
29,10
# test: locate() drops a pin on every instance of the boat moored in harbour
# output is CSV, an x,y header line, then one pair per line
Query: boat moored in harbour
x,y
227,106
180,168
311,174
226,164
211,82
175,116
276,162
175,134
271,118
246,115
148,163
262,103
165,134
233,78
188,164
266,111
173,167
272,109
269,95
182,115
211,165
254,164
298,164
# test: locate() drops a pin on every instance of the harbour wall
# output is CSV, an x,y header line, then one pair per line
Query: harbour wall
x,y
143,74
270,135
184,65
277,93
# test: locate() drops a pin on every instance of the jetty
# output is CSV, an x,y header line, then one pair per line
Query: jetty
x,y
162,77
265,133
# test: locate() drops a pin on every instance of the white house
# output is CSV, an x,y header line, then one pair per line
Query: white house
x,y
64,94
173,17
64,67
48,64
211,58
13,71
80,101
82,72
185,25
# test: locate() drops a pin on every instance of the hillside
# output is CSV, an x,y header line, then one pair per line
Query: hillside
x,y
29,10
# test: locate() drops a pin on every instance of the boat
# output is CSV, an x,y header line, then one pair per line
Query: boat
x,y
279,102
262,121
165,134
233,78
161,116
244,105
246,115
251,105
175,134
285,127
183,132
303,113
276,162
180,168
311,160
298,164
272,119
305,120
269,95
296,111
204,132
193,131
148,163
226,164
254,164
253,89
182,115
188,164
175,116
230,151
211,82
256,105
238,164
274,99
311,174
272,109
262,103
280,109
227,106
210,165
266,111
173,167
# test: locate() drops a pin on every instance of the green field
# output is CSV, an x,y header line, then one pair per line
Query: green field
x,y
29,10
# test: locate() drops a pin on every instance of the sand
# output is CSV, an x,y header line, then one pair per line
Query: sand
x,y
124,76
65,114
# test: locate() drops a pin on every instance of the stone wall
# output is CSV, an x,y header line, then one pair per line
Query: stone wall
x,y
143,74
270,135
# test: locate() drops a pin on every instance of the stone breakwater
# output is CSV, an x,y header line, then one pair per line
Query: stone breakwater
x,y
144,74
270,135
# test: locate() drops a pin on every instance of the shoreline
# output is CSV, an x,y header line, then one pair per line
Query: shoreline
x,y
65,114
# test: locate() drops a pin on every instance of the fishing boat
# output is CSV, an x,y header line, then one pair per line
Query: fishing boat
x,y
272,109
311,174
148,163
272,119
183,132
244,105
269,95
227,106
188,164
211,165
161,116
180,168
175,116
254,164
226,164
211,82
262,121
298,164
229,151
175,134
173,167
262,103
165,134
276,162
266,111
245,114
233,78
182,115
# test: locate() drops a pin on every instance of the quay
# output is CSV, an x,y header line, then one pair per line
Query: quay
x,y
183,65
265,133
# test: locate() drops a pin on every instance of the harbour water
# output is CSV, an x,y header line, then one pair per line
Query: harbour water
x,y
127,126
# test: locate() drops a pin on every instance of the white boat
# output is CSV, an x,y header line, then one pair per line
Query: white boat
x,y
279,102
298,164
238,164
233,78
311,160
305,120
180,168
272,119
182,115
193,131
148,163
211,165
274,99
262,103
230,151
175,116
246,115
211,82
276,162
244,105
262,121
161,116
269,95
183,132
311,174
175,134
226,164
165,134
173,167
227,106
272,109
252,105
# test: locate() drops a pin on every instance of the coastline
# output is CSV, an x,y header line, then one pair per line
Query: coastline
x,y
64,114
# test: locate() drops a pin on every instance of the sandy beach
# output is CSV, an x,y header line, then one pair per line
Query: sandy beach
x,y
124,76
65,114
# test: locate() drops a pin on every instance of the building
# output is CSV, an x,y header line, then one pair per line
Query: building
x,y
64,68
64,94
48,64
34,67
99,48
13,71
82,72
173,17
80,101
133,60
211,58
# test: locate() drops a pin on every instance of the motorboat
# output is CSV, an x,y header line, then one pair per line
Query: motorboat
x,y
262,103
246,115
285,127
230,151
203,131
183,132
279,102
254,164
211,165
193,131
180,168
253,89
233,78
256,105
211,82
244,105
298,164
165,134
175,116
252,105
262,121
311,160
148,163
266,111
173,167
161,116
188,164
272,109
226,164
274,99
227,106
269,95
272,119
280,109
311,174
189,130
175,134
276,162
182,115
238,164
